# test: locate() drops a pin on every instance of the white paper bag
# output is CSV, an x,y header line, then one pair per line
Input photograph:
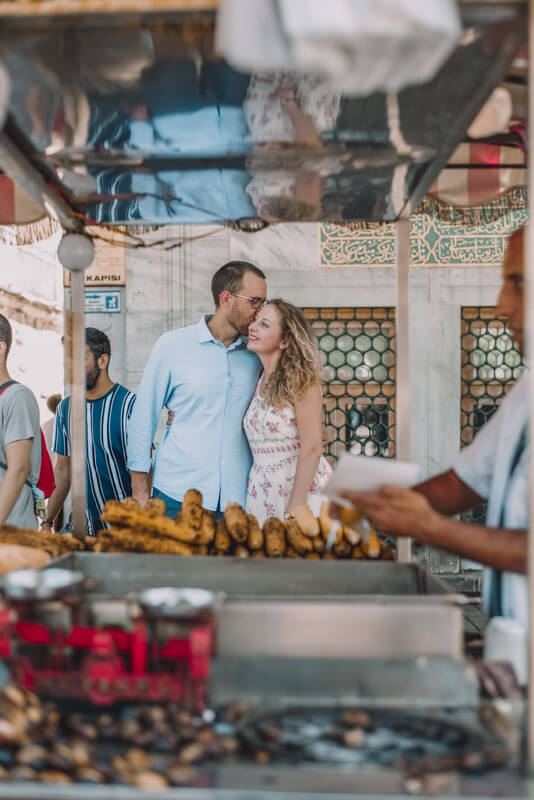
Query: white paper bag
x,y
367,474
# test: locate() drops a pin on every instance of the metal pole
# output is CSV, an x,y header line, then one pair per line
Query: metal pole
x,y
529,324
77,404
402,365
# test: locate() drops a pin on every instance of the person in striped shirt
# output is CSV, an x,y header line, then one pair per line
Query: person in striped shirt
x,y
108,407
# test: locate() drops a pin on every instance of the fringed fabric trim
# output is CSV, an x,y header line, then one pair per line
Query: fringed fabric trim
x,y
19,235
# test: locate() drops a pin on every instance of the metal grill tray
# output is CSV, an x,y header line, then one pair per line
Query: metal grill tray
x,y
118,573
242,779
412,741
299,609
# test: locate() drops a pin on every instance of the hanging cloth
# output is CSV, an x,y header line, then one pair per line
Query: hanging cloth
x,y
356,46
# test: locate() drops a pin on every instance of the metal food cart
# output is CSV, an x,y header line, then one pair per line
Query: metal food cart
x,y
390,621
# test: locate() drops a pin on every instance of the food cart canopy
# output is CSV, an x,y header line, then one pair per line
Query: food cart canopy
x,y
136,120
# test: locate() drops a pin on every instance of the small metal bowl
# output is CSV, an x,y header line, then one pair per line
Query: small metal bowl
x,y
47,584
183,604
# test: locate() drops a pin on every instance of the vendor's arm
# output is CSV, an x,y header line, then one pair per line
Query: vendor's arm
x,y
448,494
308,411
151,398
62,478
18,468
405,512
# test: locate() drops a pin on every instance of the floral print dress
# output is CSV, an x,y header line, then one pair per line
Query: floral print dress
x,y
274,441
268,123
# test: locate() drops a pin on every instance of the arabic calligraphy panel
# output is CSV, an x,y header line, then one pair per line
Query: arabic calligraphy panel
x,y
441,236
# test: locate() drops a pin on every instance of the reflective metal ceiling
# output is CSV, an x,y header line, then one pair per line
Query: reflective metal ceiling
x,y
139,122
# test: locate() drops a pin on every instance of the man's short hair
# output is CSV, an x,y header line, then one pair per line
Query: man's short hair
x,y
98,343
52,402
229,278
6,333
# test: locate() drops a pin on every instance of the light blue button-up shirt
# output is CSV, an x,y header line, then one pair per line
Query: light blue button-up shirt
x,y
485,467
208,387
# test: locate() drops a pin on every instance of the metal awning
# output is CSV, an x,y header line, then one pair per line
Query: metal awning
x,y
133,119
127,117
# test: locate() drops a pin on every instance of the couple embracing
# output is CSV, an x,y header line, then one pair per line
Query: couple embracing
x,y
247,424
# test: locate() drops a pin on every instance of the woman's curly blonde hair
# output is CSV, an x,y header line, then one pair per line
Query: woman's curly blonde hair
x,y
299,366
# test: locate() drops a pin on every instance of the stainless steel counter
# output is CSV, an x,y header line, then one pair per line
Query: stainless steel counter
x,y
118,573
292,608
292,784
243,779
375,635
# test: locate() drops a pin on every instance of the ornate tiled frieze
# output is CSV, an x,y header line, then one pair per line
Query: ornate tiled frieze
x,y
441,236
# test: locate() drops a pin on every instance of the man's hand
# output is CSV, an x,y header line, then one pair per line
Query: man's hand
x,y
57,498
141,496
397,512
140,487
170,418
406,512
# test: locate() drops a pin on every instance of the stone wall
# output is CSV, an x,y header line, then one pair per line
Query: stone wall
x,y
307,266
454,265
172,289
31,296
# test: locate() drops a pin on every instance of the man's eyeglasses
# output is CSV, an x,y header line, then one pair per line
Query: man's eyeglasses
x,y
255,302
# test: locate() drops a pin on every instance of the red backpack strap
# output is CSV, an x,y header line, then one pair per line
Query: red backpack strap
x,y
6,385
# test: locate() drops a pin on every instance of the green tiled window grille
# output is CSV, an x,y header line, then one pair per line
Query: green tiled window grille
x,y
357,347
490,366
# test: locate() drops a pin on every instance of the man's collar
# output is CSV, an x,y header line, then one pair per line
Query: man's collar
x,y
205,335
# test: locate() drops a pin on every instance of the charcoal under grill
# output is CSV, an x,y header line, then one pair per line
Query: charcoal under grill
x,y
283,751
393,652
410,742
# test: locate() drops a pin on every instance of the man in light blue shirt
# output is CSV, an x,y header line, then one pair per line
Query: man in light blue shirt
x,y
494,467
205,375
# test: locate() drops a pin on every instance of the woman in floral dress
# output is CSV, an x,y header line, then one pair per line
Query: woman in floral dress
x,y
284,420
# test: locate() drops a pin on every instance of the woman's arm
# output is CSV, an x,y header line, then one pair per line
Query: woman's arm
x,y
405,512
308,411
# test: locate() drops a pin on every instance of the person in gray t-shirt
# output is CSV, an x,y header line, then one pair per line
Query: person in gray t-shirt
x,y
20,443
